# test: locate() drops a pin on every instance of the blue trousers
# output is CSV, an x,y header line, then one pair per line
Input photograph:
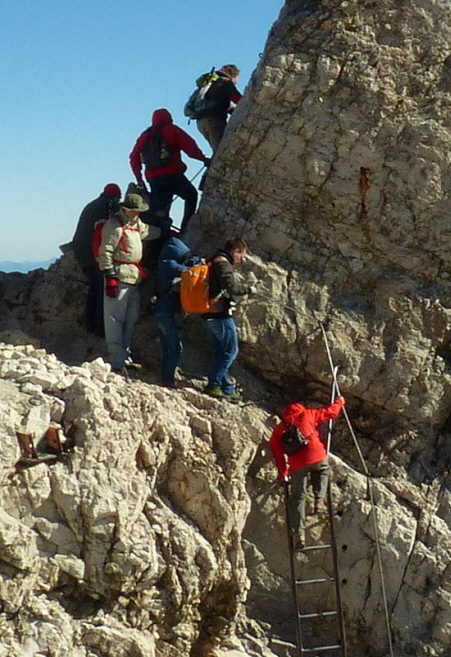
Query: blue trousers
x,y
225,344
170,343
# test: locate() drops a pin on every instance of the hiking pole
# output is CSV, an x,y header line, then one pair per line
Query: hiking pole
x,y
345,414
370,492
174,198
204,166
191,180
332,399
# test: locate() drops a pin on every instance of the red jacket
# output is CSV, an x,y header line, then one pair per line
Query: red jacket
x,y
176,139
308,420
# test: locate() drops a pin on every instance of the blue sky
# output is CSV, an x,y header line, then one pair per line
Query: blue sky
x,y
79,83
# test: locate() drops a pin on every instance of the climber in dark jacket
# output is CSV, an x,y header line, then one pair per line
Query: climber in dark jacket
x,y
168,180
212,122
98,210
220,324
172,260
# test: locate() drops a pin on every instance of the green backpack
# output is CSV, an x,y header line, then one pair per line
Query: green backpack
x,y
197,103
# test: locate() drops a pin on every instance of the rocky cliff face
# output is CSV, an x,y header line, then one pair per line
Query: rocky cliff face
x,y
144,541
130,542
336,168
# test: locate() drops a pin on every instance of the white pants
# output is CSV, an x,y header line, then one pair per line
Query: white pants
x,y
120,315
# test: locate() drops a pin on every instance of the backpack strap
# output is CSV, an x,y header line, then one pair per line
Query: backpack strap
x,y
293,424
219,259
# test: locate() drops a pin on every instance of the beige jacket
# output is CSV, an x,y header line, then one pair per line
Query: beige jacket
x,y
121,248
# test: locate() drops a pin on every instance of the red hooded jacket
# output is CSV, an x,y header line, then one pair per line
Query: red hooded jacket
x,y
308,420
176,139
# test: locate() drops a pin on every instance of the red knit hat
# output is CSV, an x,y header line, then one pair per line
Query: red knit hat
x,y
112,190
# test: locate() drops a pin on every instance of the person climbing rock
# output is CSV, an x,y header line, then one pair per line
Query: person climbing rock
x,y
175,257
97,210
159,149
308,460
222,93
220,325
119,260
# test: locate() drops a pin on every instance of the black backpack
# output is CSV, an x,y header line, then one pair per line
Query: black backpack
x,y
293,439
155,154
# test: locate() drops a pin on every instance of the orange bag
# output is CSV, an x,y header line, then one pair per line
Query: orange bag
x,y
195,290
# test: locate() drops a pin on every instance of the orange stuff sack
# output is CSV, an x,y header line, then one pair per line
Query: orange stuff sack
x,y
195,290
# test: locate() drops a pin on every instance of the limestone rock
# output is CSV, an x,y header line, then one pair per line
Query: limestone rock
x,y
335,168
144,512
148,536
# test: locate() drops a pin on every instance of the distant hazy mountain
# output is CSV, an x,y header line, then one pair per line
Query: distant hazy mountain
x,y
23,267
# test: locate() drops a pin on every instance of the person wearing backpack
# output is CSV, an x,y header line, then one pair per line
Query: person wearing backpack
x,y
224,288
97,210
175,257
159,149
211,121
307,458
119,259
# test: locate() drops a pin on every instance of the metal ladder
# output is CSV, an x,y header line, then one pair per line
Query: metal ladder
x,y
338,648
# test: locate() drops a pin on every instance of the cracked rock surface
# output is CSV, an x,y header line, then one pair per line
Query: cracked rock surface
x,y
162,533
335,167
130,543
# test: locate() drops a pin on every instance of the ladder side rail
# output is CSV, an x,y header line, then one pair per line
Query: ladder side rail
x,y
291,553
341,620
333,534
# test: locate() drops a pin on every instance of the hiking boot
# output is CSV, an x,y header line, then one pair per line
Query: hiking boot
x,y
299,540
215,392
131,363
320,505
234,397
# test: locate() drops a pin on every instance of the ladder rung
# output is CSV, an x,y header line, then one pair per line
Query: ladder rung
x,y
314,547
322,648
319,614
315,581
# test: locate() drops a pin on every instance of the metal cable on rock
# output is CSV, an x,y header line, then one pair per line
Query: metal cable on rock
x,y
370,491
332,399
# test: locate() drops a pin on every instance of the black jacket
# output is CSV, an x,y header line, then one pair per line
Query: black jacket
x,y
223,283
95,211
223,92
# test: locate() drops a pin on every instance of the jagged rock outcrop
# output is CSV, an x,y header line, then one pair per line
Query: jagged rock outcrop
x,y
130,543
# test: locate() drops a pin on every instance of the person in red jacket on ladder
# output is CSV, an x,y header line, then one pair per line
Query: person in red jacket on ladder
x,y
159,149
309,458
